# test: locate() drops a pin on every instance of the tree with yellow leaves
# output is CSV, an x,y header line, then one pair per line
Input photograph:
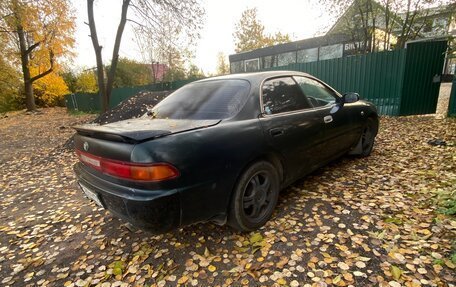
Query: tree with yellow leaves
x,y
86,82
223,66
249,33
49,90
38,34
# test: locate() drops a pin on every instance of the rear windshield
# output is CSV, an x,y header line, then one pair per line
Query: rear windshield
x,y
217,99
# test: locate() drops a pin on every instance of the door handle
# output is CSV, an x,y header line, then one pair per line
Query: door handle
x,y
276,132
328,119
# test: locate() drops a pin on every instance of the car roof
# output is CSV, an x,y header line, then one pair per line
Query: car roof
x,y
254,77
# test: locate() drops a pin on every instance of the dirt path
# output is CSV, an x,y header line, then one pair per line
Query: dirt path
x,y
358,222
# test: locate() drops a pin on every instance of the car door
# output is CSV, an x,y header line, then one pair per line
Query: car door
x,y
339,130
291,125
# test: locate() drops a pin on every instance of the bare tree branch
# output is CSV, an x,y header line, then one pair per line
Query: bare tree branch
x,y
147,15
137,23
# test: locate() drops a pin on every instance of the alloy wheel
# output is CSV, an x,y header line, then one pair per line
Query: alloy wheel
x,y
257,196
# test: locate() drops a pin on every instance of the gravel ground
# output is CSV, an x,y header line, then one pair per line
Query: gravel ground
x,y
378,221
133,107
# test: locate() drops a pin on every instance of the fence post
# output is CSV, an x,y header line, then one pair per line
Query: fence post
x,y
452,103
75,103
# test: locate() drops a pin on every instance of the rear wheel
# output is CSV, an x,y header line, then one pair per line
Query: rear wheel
x,y
368,138
255,197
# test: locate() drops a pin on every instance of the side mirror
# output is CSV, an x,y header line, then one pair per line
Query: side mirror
x,y
350,98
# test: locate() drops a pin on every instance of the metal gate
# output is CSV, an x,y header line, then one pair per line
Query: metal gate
x,y
423,70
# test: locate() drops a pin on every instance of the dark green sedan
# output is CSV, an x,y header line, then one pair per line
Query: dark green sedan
x,y
220,149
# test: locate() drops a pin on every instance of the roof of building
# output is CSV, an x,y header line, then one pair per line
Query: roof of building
x,y
291,46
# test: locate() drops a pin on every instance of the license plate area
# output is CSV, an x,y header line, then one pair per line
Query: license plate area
x,y
91,195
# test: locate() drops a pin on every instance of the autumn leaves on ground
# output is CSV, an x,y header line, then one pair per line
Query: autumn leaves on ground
x,y
381,221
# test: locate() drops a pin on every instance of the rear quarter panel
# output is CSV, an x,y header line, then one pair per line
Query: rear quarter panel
x,y
209,161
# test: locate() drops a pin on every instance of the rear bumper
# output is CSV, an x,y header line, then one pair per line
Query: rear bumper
x,y
156,211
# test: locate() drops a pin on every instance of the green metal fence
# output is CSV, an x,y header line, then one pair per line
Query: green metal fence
x,y
84,102
423,69
377,77
399,82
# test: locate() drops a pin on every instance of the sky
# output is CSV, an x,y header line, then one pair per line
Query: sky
x,y
299,18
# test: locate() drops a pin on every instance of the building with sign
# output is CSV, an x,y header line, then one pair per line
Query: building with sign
x,y
303,51
347,37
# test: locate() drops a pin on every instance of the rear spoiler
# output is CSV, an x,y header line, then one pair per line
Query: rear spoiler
x,y
112,135
138,130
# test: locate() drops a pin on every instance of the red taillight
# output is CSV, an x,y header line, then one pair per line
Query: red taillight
x,y
129,170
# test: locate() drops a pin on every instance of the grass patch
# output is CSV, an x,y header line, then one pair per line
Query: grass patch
x,y
394,220
445,199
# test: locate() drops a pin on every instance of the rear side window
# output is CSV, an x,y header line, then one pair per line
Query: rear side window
x,y
218,99
283,95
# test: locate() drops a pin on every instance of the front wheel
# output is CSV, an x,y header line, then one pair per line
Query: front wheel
x,y
255,197
368,138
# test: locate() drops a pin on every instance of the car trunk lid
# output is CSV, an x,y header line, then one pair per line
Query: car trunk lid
x,y
141,129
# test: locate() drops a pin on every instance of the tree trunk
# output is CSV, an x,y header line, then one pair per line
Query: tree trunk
x,y
387,33
402,40
365,25
100,73
154,79
115,52
28,79
28,88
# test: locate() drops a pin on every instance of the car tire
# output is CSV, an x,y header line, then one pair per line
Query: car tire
x,y
255,197
368,137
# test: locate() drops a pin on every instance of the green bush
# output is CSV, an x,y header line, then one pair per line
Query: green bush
x,y
10,101
10,87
